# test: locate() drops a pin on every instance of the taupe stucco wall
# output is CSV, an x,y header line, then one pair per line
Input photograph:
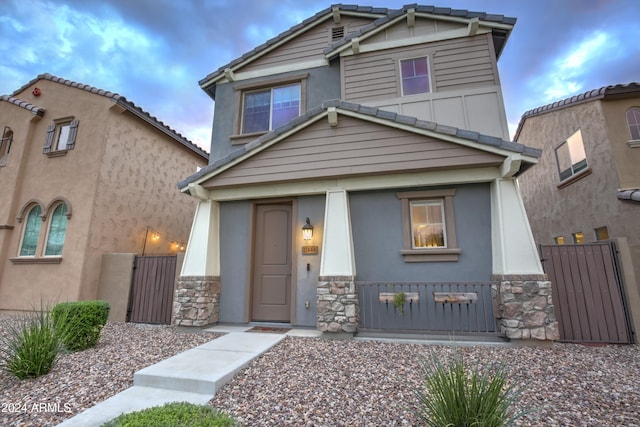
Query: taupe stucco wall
x,y
118,180
590,202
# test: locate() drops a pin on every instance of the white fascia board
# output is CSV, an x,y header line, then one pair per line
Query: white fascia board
x,y
359,183
264,72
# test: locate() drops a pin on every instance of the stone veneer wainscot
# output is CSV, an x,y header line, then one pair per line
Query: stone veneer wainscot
x,y
196,301
337,299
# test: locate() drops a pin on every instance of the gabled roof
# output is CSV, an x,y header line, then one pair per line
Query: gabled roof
x,y
461,136
379,15
118,99
592,95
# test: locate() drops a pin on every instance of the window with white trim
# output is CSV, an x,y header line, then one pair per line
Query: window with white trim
x,y
428,224
270,108
633,121
414,76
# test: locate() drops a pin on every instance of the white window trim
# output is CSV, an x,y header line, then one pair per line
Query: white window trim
x,y
429,73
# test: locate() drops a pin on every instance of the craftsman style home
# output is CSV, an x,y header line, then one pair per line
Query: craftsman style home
x,y
83,172
361,178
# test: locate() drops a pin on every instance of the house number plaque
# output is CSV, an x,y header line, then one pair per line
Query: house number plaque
x,y
309,250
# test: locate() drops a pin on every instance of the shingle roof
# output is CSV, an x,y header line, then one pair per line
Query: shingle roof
x,y
38,111
367,111
632,195
118,99
592,95
384,16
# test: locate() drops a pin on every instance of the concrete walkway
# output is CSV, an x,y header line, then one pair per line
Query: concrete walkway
x,y
192,376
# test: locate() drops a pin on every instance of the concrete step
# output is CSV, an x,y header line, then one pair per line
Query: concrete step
x,y
205,369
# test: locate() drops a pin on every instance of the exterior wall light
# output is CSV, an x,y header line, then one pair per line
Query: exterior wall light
x,y
307,230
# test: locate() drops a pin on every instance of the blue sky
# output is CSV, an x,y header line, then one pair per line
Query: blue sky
x,y
154,52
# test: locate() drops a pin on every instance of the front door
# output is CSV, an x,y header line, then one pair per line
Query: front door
x,y
272,264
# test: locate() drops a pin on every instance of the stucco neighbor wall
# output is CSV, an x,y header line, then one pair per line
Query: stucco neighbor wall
x,y
590,202
376,219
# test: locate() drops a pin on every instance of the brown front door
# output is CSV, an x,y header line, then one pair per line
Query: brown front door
x,y
272,264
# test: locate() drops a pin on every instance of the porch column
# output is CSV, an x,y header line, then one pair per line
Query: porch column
x,y
197,293
337,296
522,298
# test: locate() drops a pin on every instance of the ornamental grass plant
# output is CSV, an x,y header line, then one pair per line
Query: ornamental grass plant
x,y
30,346
455,396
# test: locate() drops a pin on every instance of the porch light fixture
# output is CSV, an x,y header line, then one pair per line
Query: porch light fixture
x,y
307,230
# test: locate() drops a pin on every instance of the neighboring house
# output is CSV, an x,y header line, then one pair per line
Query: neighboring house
x,y
384,131
84,172
587,185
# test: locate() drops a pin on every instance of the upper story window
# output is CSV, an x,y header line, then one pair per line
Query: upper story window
x,y
268,109
5,144
61,136
571,156
415,76
633,121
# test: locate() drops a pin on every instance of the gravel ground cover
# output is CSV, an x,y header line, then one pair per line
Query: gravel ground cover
x,y
321,382
80,380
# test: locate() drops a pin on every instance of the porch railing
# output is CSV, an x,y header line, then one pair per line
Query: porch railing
x,y
419,307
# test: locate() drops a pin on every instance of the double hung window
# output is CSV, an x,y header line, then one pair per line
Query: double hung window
x,y
571,156
268,109
414,75
633,121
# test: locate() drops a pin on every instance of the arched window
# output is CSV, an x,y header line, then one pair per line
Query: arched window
x,y
57,231
633,121
31,232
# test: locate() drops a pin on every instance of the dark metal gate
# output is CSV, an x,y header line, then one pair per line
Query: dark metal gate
x,y
151,297
587,292
434,308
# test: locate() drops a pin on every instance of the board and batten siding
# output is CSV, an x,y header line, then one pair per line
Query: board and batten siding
x,y
354,147
454,64
308,46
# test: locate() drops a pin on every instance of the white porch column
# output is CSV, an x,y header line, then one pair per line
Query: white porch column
x,y
513,247
337,246
337,294
202,257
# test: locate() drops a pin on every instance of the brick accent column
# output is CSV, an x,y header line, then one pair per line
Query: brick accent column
x,y
524,307
337,300
196,301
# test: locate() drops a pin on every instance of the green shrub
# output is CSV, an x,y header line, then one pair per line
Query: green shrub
x,y
176,414
452,396
29,346
82,321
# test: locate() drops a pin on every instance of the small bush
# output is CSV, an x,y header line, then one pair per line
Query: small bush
x,y
176,414
82,322
454,397
30,345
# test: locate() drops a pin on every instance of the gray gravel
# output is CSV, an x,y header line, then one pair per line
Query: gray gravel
x,y
320,382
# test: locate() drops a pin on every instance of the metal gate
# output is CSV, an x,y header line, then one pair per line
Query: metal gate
x,y
587,292
151,296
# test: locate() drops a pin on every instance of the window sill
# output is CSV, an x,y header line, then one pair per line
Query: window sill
x,y
431,255
567,182
37,260
57,153
242,139
634,143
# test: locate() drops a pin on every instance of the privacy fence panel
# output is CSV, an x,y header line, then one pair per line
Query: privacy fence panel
x,y
151,296
587,292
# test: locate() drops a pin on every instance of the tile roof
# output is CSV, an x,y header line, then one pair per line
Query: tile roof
x,y
592,95
632,195
118,99
385,15
38,111
472,136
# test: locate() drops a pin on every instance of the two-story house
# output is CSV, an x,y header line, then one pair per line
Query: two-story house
x,y
586,187
84,172
358,152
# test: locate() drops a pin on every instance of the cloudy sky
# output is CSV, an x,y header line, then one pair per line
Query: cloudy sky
x,y
154,52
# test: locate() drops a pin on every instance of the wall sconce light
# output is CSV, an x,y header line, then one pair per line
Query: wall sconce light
x,y
307,230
